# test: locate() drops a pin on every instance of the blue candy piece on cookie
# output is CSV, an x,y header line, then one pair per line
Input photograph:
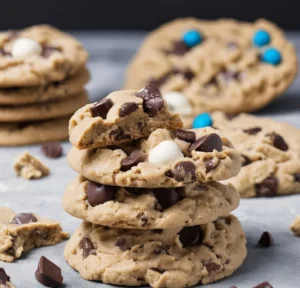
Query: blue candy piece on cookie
x,y
261,38
271,56
202,120
192,38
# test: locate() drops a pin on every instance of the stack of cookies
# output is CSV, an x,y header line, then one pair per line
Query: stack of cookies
x,y
147,192
42,75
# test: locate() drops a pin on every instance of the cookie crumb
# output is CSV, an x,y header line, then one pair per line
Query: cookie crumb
x,y
295,226
30,167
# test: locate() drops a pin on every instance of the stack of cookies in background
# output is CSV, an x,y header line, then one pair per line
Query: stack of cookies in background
x,y
147,192
42,78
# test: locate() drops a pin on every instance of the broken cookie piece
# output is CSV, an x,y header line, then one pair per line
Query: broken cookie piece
x,y
5,280
30,167
20,233
295,226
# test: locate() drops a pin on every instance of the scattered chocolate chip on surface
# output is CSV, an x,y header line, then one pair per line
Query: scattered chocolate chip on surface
x,y
98,193
263,285
52,149
4,278
266,239
23,218
101,108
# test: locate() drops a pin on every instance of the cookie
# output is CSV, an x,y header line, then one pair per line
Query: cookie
x,y
38,55
161,258
139,208
20,233
43,111
215,65
121,117
164,159
295,226
46,93
5,280
17,134
270,153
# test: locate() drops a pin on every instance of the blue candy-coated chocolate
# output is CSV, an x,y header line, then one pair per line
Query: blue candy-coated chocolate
x,y
202,120
261,38
192,38
271,56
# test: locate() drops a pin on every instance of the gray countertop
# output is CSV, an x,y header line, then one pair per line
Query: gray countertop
x,y
109,54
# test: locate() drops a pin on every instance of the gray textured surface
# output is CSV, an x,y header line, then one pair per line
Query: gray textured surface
x,y
110,53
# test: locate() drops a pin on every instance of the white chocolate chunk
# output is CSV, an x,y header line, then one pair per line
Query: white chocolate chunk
x,y
25,47
178,103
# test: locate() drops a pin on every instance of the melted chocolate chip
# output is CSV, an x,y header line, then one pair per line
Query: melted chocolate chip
x,y
49,50
24,218
98,193
87,247
135,191
278,142
166,197
132,160
297,177
252,131
122,244
4,278
101,108
48,273
128,108
119,134
142,216
267,188
190,236
185,172
245,160
179,48
207,143
265,284
185,135
212,267
266,239
210,165
52,149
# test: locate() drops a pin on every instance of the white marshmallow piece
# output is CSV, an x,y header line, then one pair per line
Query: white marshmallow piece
x,y
178,103
165,153
25,47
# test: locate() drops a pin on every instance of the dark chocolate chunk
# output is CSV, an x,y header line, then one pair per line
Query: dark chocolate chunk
x,y
98,193
210,165
263,285
132,160
119,134
267,188
23,218
4,278
266,239
48,274
148,92
212,266
179,48
153,106
52,149
122,244
207,143
166,197
252,131
297,177
101,108
185,135
278,142
142,216
185,172
128,108
49,50
87,247
245,160
190,236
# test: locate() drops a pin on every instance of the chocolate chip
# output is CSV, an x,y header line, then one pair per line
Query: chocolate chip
x,y
263,285
297,177
158,270
210,165
148,92
188,75
142,216
207,143
252,131
179,48
190,236
52,149
128,108
24,218
98,193
4,278
119,134
166,197
184,171
132,160
153,106
278,141
231,116
122,244
211,266
48,274
266,239
87,247
49,50
101,108
135,191
245,160
185,135
268,187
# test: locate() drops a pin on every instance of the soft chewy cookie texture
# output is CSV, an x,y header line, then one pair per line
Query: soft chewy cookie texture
x,y
20,233
164,159
120,117
215,65
38,55
161,258
270,153
140,208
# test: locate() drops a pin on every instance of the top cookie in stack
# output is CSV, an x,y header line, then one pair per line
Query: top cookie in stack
x,y
42,75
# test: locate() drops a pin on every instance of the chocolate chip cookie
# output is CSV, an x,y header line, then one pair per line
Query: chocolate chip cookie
x,y
20,233
178,258
222,65
5,280
164,159
38,55
270,153
120,117
140,208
